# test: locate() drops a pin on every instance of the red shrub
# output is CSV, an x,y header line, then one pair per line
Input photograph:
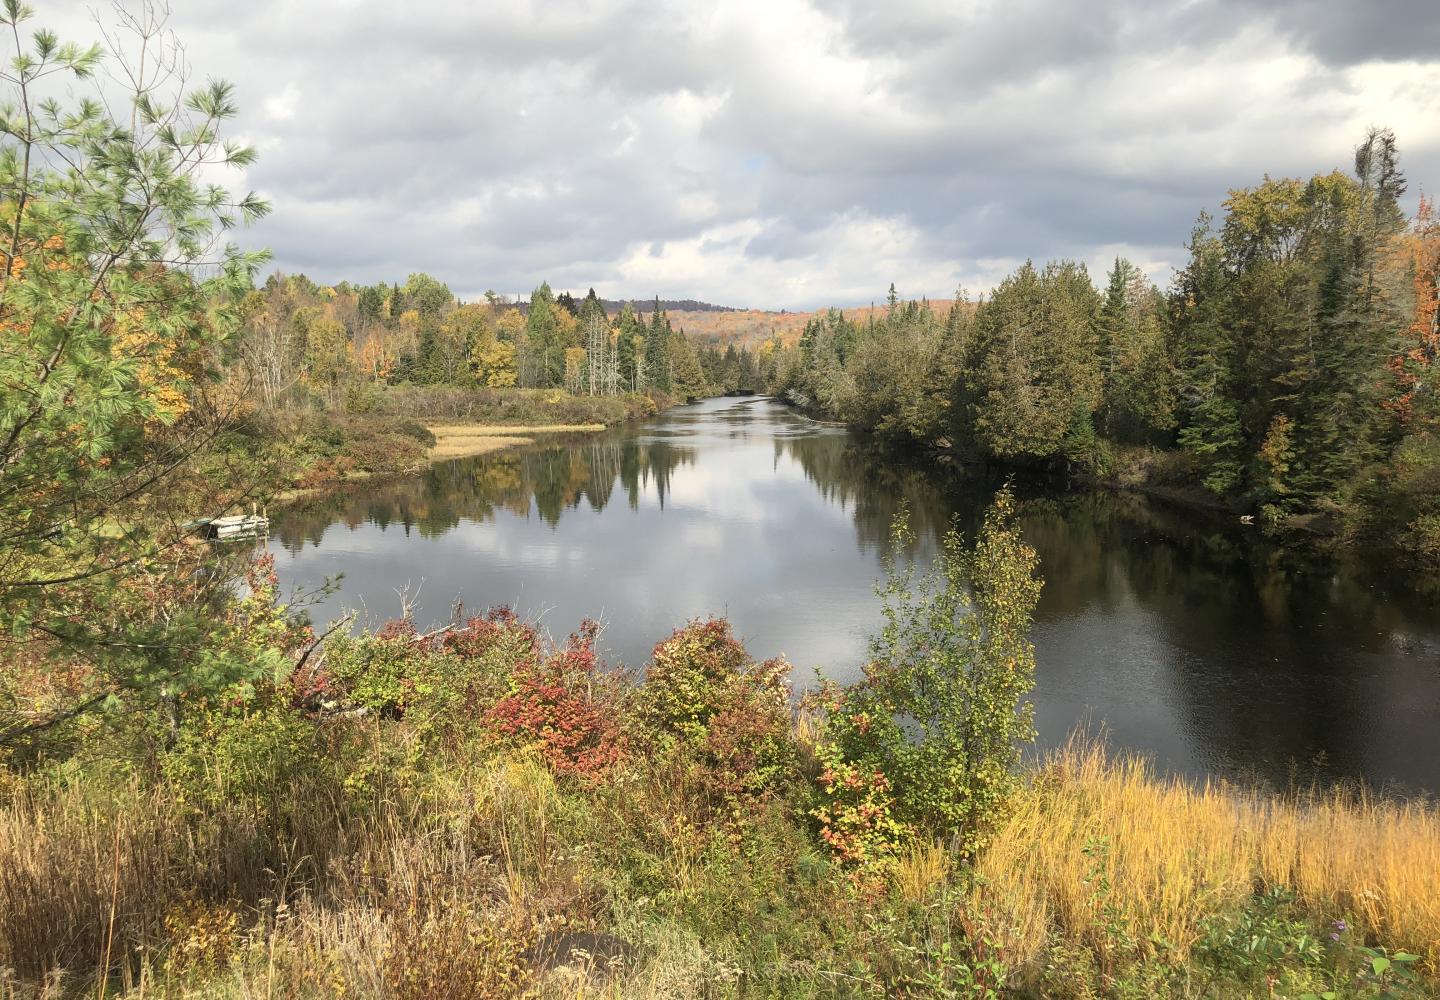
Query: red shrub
x,y
397,630
500,628
552,707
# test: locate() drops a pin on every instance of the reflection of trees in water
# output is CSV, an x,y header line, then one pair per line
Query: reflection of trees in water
x,y
1112,548
873,481
552,478
1266,642
1263,654
1260,644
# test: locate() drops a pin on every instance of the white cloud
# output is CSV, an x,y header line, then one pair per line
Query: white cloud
x,y
787,153
283,105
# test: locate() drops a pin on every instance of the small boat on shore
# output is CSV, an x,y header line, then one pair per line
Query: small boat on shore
x,y
233,527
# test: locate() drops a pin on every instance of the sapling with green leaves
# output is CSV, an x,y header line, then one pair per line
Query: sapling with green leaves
x,y
943,712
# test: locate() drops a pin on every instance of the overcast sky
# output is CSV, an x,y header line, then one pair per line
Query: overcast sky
x,y
787,153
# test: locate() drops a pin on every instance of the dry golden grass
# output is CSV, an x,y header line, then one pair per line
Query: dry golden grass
x,y
1178,853
467,440
411,901
922,868
494,430
456,880
468,447
65,862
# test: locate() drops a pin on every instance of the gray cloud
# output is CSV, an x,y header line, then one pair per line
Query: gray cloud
x,y
787,153
1343,32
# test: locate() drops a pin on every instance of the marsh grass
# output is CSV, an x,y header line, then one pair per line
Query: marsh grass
x,y
467,440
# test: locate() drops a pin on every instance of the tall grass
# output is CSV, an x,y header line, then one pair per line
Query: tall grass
x,y
404,897
453,888
1174,854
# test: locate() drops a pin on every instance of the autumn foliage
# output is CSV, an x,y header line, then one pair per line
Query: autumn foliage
x,y
556,705
707,700
1416,255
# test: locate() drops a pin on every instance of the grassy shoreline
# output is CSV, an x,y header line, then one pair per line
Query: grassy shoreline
x,y
472,807
404,429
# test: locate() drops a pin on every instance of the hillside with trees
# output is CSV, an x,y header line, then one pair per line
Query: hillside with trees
x,y
300,339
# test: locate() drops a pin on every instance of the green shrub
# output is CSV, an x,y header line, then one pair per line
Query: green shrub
x,y
942,712
363,397
704,696
383,673
1251,945
247,749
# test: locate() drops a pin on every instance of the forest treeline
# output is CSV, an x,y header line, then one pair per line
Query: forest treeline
x,y
1288,371
306,343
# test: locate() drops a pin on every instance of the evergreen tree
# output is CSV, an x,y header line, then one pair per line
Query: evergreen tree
x,y
371,303
627,347
657,351
1033,375
545,366
1205,357
1136,386
424,369
688,378
117,294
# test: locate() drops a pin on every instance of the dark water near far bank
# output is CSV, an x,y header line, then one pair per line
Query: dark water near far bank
x,y
1186,636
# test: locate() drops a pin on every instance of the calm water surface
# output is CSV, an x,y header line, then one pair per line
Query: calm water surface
x,y
1186,636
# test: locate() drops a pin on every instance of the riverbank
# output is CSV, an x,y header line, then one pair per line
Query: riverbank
x,y
1169,475
469,440
473,813
398,431
450,442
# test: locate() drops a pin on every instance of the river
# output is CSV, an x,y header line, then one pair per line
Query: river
x,y
1186,636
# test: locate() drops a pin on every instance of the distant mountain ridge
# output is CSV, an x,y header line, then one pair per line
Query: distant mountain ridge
x,y
669,305
713,325
613,306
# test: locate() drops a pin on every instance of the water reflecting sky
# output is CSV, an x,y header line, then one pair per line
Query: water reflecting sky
x,y
1187,636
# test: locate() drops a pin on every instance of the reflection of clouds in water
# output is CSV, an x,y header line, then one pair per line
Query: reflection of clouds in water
x,y
500,546
722,481
1185,637
742,527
